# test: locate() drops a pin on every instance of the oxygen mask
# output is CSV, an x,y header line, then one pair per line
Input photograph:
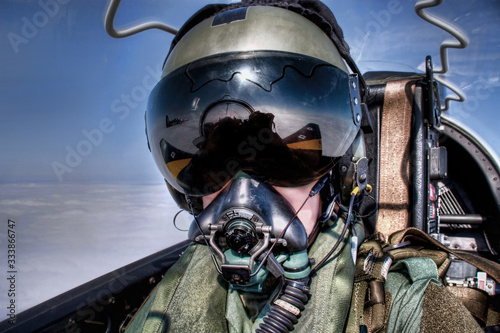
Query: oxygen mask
x,y
252,230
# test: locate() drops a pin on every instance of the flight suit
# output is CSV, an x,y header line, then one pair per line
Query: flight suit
x,y
192,297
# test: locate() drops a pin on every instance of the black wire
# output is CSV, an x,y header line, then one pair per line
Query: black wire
x,y
278,290
190,203
175,219
373,211
339,240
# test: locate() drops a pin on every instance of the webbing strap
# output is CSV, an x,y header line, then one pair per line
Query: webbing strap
x,y
395,157
426,260
418,237
370,303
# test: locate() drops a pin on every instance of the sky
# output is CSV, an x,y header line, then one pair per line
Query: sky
x,y
75,171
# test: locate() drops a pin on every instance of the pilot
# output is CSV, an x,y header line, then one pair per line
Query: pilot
x,y
257,103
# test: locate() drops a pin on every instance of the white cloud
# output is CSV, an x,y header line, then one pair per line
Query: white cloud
x,y
67,234
17,202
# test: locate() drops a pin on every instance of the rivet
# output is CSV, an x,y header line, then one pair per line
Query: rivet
x,y
358,118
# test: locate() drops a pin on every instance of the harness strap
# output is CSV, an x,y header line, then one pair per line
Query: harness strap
x,y
370,301
418,237
371,304
395,157
491,314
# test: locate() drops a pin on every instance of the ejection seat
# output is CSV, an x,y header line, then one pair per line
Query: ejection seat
x,y
432,176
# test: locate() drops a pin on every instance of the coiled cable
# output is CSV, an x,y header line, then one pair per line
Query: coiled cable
x,y
284,312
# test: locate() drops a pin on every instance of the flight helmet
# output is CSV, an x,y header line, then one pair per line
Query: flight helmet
x,y
259,87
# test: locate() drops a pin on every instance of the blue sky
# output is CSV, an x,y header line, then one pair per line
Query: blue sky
x,y
75,171
66,76
63,81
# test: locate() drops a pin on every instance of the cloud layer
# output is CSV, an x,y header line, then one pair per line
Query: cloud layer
x,y
68,234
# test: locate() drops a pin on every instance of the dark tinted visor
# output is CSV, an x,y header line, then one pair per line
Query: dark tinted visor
x,y
280,117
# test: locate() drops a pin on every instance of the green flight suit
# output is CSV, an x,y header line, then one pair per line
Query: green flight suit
x,y
192,297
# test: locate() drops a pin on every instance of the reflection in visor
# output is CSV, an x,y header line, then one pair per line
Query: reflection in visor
x,y
279,117
233,145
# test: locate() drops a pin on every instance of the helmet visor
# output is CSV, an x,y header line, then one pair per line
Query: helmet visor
x,y
280,117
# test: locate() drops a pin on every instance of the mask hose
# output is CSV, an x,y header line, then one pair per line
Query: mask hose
x,y
284,311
